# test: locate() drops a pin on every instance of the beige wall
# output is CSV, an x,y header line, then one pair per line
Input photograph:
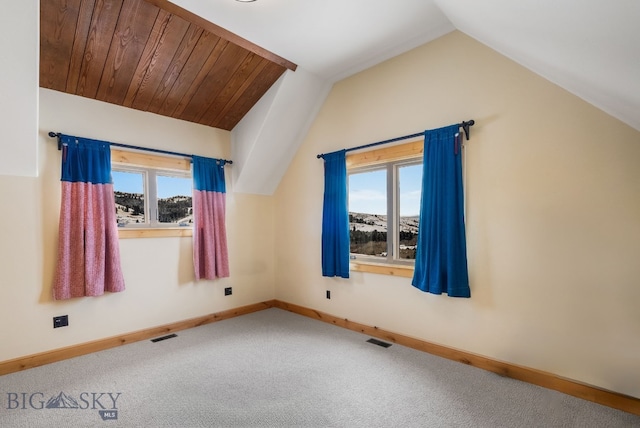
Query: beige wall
x,y
157,271
19,45
553,215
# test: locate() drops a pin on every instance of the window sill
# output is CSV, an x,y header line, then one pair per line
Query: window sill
x,y
383,269
155,233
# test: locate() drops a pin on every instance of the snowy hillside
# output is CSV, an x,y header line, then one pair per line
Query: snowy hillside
x,y
377,222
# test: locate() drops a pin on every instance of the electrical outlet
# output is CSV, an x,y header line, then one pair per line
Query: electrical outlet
x,y
328,294
227,291
61,321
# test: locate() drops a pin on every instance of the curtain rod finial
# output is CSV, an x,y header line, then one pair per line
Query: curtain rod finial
x,y
465,126
54,135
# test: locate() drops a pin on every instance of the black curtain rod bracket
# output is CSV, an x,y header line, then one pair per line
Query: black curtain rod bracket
x,y
146,149
54,135
464,125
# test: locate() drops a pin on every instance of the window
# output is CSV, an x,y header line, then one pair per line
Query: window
x,y
384,207
153,194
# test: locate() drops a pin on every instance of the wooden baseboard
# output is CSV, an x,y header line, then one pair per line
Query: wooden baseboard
x,y
525,374
55,355
533,376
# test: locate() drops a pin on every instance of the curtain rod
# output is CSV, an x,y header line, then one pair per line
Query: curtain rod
x,y
146,149
464,125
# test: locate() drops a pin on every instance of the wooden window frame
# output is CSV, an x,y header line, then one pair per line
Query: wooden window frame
x,y
396,153
125,158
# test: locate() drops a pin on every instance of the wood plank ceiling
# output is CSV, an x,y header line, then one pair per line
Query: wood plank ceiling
x,y
151,55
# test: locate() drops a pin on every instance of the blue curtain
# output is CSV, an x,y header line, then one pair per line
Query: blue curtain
x,y
88,248
210,254
441,257
335,217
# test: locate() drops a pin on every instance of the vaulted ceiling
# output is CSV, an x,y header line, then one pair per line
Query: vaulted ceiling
x,y
589,47
153,56
230,65
210,61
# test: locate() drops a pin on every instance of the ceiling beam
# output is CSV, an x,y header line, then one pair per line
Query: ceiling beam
x,y
221,32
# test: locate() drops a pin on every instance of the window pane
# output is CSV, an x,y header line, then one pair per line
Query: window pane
x,y
174,200
128,188
368,212
410,184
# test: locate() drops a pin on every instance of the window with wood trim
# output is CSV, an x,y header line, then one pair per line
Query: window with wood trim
x,y
384,207
153,194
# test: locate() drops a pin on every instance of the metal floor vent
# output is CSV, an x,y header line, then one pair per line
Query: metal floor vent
x,y
168,336
379,343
